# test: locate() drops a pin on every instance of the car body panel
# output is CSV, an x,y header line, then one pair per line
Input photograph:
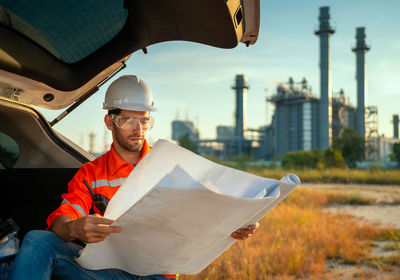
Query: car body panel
x,y
29,91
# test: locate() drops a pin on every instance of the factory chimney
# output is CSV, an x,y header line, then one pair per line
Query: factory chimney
x,y
240,87
360,49
325,109
396,126
92,136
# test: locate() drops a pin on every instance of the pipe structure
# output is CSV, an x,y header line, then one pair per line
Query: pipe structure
x,y
325,108
360,49
240,88
396,126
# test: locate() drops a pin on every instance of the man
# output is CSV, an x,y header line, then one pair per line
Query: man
x,y
44,254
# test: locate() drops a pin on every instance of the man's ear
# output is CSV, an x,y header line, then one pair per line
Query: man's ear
x,y
109,122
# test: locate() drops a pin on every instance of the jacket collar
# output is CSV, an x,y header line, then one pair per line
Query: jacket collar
x,y
116,162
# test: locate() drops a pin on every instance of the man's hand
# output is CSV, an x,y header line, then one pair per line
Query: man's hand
x,y
244,233
89,229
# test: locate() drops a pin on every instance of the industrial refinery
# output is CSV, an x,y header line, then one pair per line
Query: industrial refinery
x,y
301,121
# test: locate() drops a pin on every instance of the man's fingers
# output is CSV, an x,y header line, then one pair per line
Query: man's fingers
x,y
239,236
96,238
100,224
101,228
244,231
249,230
92,224
99,220
236,235
253,227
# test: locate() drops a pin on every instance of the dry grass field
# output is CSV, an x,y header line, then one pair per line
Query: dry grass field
x,y
347,176
299,239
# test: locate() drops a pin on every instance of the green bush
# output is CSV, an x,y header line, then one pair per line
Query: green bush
x,y
396,153
328,158
241,160
351,145
301,159
332,158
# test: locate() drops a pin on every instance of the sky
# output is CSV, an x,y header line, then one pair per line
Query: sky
x,y
193,81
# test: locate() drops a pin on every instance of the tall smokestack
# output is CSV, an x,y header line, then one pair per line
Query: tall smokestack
x,y
396,126
325,109
240,87
360,49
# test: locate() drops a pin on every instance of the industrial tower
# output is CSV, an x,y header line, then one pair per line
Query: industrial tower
x,y
325,109
240,87
395,126
360,49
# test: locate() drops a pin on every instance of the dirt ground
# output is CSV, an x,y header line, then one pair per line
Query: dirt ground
x,y
385,212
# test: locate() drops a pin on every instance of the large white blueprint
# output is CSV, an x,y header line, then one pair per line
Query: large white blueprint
x,y
177,211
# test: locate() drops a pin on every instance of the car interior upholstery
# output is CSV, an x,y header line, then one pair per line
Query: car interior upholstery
x,y
42,171
29,195
39,146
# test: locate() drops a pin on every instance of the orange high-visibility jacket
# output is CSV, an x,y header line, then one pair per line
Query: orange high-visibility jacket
x,y
105,175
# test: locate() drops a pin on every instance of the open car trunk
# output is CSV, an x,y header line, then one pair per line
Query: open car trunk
x,y
54,53
74,45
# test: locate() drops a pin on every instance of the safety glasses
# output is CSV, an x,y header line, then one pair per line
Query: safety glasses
x,y
130,123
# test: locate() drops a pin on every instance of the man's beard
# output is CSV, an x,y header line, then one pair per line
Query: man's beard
x,y
124,141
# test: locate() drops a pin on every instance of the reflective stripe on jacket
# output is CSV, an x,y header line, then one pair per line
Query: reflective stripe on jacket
x,y
105,175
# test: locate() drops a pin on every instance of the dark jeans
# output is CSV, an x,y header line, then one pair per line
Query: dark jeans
x,y
44,255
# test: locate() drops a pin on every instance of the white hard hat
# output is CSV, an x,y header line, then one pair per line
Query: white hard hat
x,y
129,93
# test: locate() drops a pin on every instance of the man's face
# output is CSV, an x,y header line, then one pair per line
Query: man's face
x,y
129,139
